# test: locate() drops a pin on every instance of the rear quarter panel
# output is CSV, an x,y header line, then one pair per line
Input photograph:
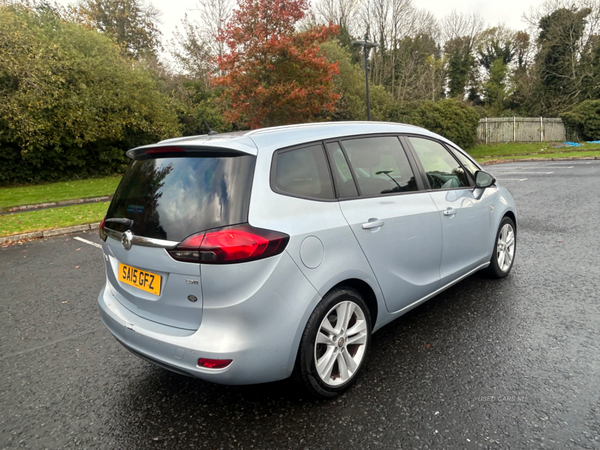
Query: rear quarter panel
x,y
321,244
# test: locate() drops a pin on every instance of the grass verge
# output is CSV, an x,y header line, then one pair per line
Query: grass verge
x,y
56,192
532,150
44,219
590,154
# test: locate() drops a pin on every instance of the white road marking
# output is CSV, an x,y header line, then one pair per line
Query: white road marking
x,y
524,173
549,166
512,179
88,242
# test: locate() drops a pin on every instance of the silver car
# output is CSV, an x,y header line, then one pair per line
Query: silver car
x,y
252,256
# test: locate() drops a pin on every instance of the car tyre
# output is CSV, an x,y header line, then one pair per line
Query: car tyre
x,y
335,343
505,247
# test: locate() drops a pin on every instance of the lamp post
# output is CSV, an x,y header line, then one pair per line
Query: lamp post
x,y
366,45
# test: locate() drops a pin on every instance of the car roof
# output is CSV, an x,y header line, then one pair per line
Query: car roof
x,y
273,138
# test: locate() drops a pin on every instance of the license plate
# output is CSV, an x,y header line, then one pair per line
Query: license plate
x,y
146,281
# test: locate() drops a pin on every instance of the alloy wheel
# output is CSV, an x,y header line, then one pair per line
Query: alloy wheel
x,y
505,248
340,343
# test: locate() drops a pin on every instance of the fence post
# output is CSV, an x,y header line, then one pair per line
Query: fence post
x,y
541,129
486,130
514,129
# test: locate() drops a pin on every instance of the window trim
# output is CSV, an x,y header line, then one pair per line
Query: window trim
x,y
409,151
330,162
273,178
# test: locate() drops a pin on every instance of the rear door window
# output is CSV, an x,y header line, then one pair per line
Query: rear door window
x,y
172,198
302,172
380,165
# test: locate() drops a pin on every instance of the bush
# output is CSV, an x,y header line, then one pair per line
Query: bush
x,y
584,120
449,118
70,103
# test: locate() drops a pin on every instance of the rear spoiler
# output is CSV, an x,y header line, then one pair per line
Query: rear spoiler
x,y
171,151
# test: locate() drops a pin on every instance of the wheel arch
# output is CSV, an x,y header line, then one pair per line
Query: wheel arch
x,y
512,216
366,292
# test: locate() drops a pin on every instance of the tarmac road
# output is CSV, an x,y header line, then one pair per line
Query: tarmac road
x,y
487,364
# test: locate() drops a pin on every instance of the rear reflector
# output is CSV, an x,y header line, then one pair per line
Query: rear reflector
x,y
234,244
214,363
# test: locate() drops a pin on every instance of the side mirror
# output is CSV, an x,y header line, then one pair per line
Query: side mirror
x,y
483,179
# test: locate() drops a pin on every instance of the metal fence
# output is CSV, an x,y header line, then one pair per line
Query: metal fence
x,y
520,129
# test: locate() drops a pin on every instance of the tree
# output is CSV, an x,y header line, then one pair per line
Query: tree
x,y
460,33
495,43
393,23
494,89
350,85
338,12
274,75
213,16
496,51
590,63
566,33
559,41
192,51
418,69
460,25
71,103
132,23
460,65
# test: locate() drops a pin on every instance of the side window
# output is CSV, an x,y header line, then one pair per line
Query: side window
x,y
380,165
469,165
341,171
303,172
443,171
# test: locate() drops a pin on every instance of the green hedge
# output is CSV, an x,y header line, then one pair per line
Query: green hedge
x,y
70,103
450,118
584,120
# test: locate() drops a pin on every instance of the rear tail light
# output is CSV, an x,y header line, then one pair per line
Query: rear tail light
x,y
235,244
101,230
214,363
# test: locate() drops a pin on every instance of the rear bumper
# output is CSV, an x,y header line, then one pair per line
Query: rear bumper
x,y
260,333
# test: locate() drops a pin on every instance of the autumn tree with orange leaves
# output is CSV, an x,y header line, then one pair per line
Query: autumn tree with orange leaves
x,y
272,74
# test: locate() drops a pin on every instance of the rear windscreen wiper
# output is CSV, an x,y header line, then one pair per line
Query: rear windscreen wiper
x,y
122,221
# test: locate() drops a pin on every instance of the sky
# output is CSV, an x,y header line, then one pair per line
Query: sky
x,y
494,12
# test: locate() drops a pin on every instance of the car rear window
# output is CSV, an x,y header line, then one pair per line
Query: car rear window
x,y
172,198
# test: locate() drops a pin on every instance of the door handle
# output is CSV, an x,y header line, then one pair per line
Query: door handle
x,y
372,223
449,212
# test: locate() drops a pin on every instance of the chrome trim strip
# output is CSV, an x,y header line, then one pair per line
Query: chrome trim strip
x,y
141,240
113,234
443,288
